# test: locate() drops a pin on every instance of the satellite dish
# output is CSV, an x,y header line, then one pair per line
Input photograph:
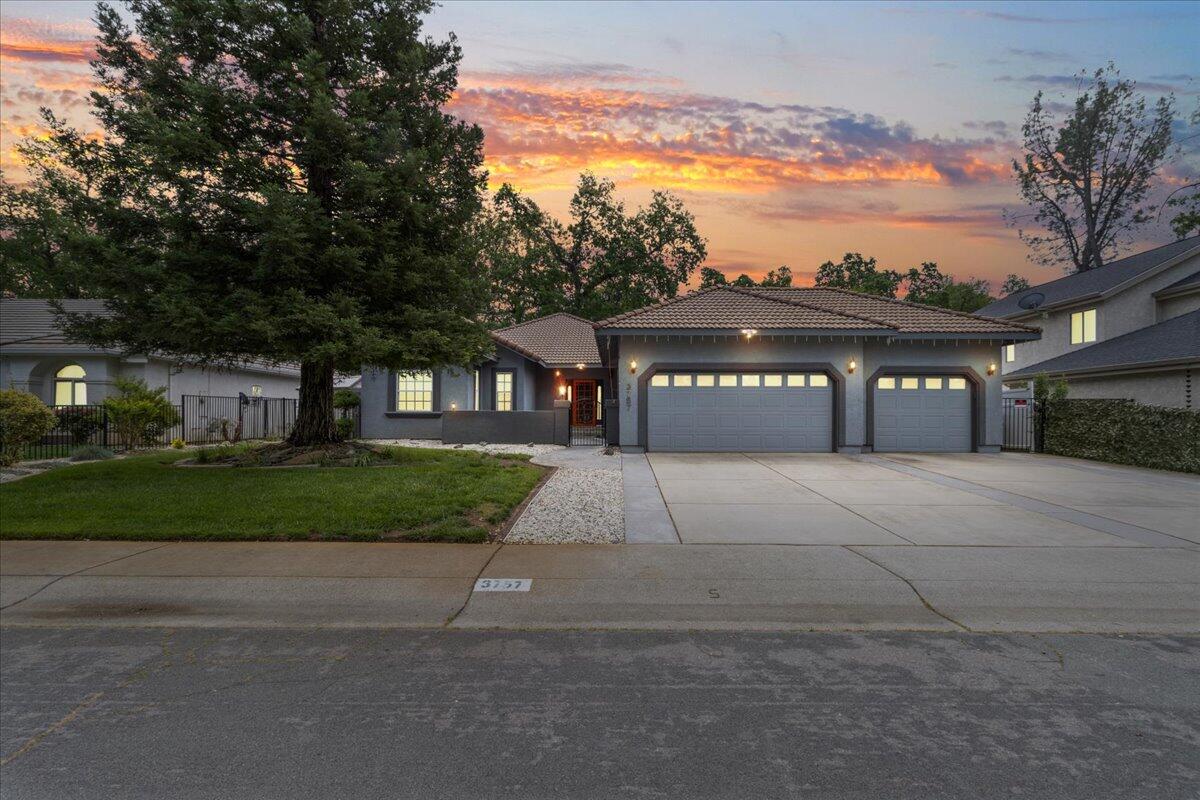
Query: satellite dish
x,y
1031,300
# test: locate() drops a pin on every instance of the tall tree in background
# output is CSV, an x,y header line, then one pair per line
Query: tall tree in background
x,y
1013,283
928,285
276,181
859,274
1186,199
605,260
710,277
1086,179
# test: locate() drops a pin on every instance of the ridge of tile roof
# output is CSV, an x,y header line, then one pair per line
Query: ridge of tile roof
x,y
556,339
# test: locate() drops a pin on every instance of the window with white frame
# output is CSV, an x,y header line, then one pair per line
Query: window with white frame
x,y
69,386
504,391
1010,353
1083,326
414,391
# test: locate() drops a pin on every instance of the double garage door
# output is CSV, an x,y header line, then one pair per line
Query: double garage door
x,y
918,413
740,411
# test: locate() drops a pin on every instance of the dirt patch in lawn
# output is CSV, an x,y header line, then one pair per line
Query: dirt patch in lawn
x,y
282,454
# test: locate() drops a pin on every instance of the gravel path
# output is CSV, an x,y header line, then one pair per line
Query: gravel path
x,y
577,506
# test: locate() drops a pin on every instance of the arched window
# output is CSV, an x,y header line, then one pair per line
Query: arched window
x,y
69,386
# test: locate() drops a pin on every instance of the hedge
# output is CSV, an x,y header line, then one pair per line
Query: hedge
x,y
1124,432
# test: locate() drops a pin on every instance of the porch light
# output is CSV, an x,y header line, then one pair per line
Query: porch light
x,y
749,333
632,367
579,366
453,406
991,369
853,365
557,373
562,390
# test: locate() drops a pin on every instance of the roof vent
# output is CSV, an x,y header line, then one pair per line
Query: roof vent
x,y
1031,300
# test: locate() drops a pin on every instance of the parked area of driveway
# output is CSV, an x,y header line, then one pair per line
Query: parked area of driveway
x,y
906,499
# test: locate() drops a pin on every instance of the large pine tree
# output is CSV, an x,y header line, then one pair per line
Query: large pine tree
x,y
276,180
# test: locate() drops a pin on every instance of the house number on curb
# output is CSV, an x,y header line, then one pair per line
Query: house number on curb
x,y
503,584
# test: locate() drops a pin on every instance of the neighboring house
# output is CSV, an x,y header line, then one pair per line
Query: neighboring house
x,y
37,358
535,363
1124,330
806,370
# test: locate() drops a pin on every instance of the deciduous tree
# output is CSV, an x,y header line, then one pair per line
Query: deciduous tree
x,y
859,274
1085,179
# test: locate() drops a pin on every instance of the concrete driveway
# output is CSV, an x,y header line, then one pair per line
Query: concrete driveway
x,y
916,499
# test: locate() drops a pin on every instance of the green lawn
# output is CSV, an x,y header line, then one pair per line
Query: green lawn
x,y
424,495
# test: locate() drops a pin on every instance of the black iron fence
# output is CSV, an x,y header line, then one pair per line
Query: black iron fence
x,y
1019,423
588,435
209,420
77,426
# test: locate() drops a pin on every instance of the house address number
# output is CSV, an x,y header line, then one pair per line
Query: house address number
x,y
503,584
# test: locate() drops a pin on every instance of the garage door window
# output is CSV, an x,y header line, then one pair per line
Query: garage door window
x,y
773,381
660,380
750,380
795,380
887,383
705,380
728,380
933,383
818,380
958,384
683,380
910,383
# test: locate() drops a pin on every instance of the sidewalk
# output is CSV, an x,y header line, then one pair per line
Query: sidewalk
x,y
743,587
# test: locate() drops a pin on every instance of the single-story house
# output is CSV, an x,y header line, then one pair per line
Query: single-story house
x,y
1124,330
36,357
723,369
536,363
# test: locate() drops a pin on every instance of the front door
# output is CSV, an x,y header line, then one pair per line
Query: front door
x,y
583,406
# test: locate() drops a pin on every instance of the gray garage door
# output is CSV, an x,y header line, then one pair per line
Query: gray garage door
x,y
916,413
754,412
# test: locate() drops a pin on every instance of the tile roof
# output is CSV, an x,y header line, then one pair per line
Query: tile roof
x,y
555,340
817,309
1176,340
1094,281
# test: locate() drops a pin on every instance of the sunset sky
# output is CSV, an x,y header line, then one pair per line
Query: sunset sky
x,y
794,132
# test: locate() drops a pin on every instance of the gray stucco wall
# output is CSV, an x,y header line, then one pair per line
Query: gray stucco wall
x,y
1151,388
35,374
650,352
1121,313
1172,307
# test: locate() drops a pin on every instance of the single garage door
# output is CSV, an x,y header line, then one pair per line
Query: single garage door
x,y
922,414
753,412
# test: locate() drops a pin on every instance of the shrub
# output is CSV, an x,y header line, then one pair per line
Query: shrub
x,y
138,413
24,419
345,428
91,452
178,443
80,421
1124,432
346,398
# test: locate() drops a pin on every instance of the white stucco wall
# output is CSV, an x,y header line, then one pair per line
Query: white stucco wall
x,y
651,351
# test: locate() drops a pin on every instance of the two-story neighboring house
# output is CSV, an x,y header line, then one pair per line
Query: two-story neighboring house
x,y
1130,329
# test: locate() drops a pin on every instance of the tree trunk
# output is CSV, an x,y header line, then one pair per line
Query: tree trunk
x,y
314,418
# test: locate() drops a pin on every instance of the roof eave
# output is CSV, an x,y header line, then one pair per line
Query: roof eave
x,y
1132,366
1010,336
738,332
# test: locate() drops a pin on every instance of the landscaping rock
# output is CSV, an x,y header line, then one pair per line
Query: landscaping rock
x,y
575,506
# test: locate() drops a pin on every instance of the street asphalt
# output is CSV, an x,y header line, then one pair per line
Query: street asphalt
x,y
319,713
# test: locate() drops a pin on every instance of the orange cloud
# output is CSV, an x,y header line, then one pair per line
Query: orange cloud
x,y
32,40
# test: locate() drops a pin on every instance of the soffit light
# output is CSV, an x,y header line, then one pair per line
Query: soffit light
x,y
749,333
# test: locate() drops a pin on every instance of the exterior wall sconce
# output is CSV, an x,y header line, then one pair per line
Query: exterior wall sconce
x,y
991,369
557,372
454,406
853,365
749,333
562,390
632,367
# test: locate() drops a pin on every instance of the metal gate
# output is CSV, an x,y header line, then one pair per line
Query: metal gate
x,y
1018,423
588,435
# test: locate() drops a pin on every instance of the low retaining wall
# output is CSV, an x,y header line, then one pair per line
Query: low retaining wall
x,y
506,427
